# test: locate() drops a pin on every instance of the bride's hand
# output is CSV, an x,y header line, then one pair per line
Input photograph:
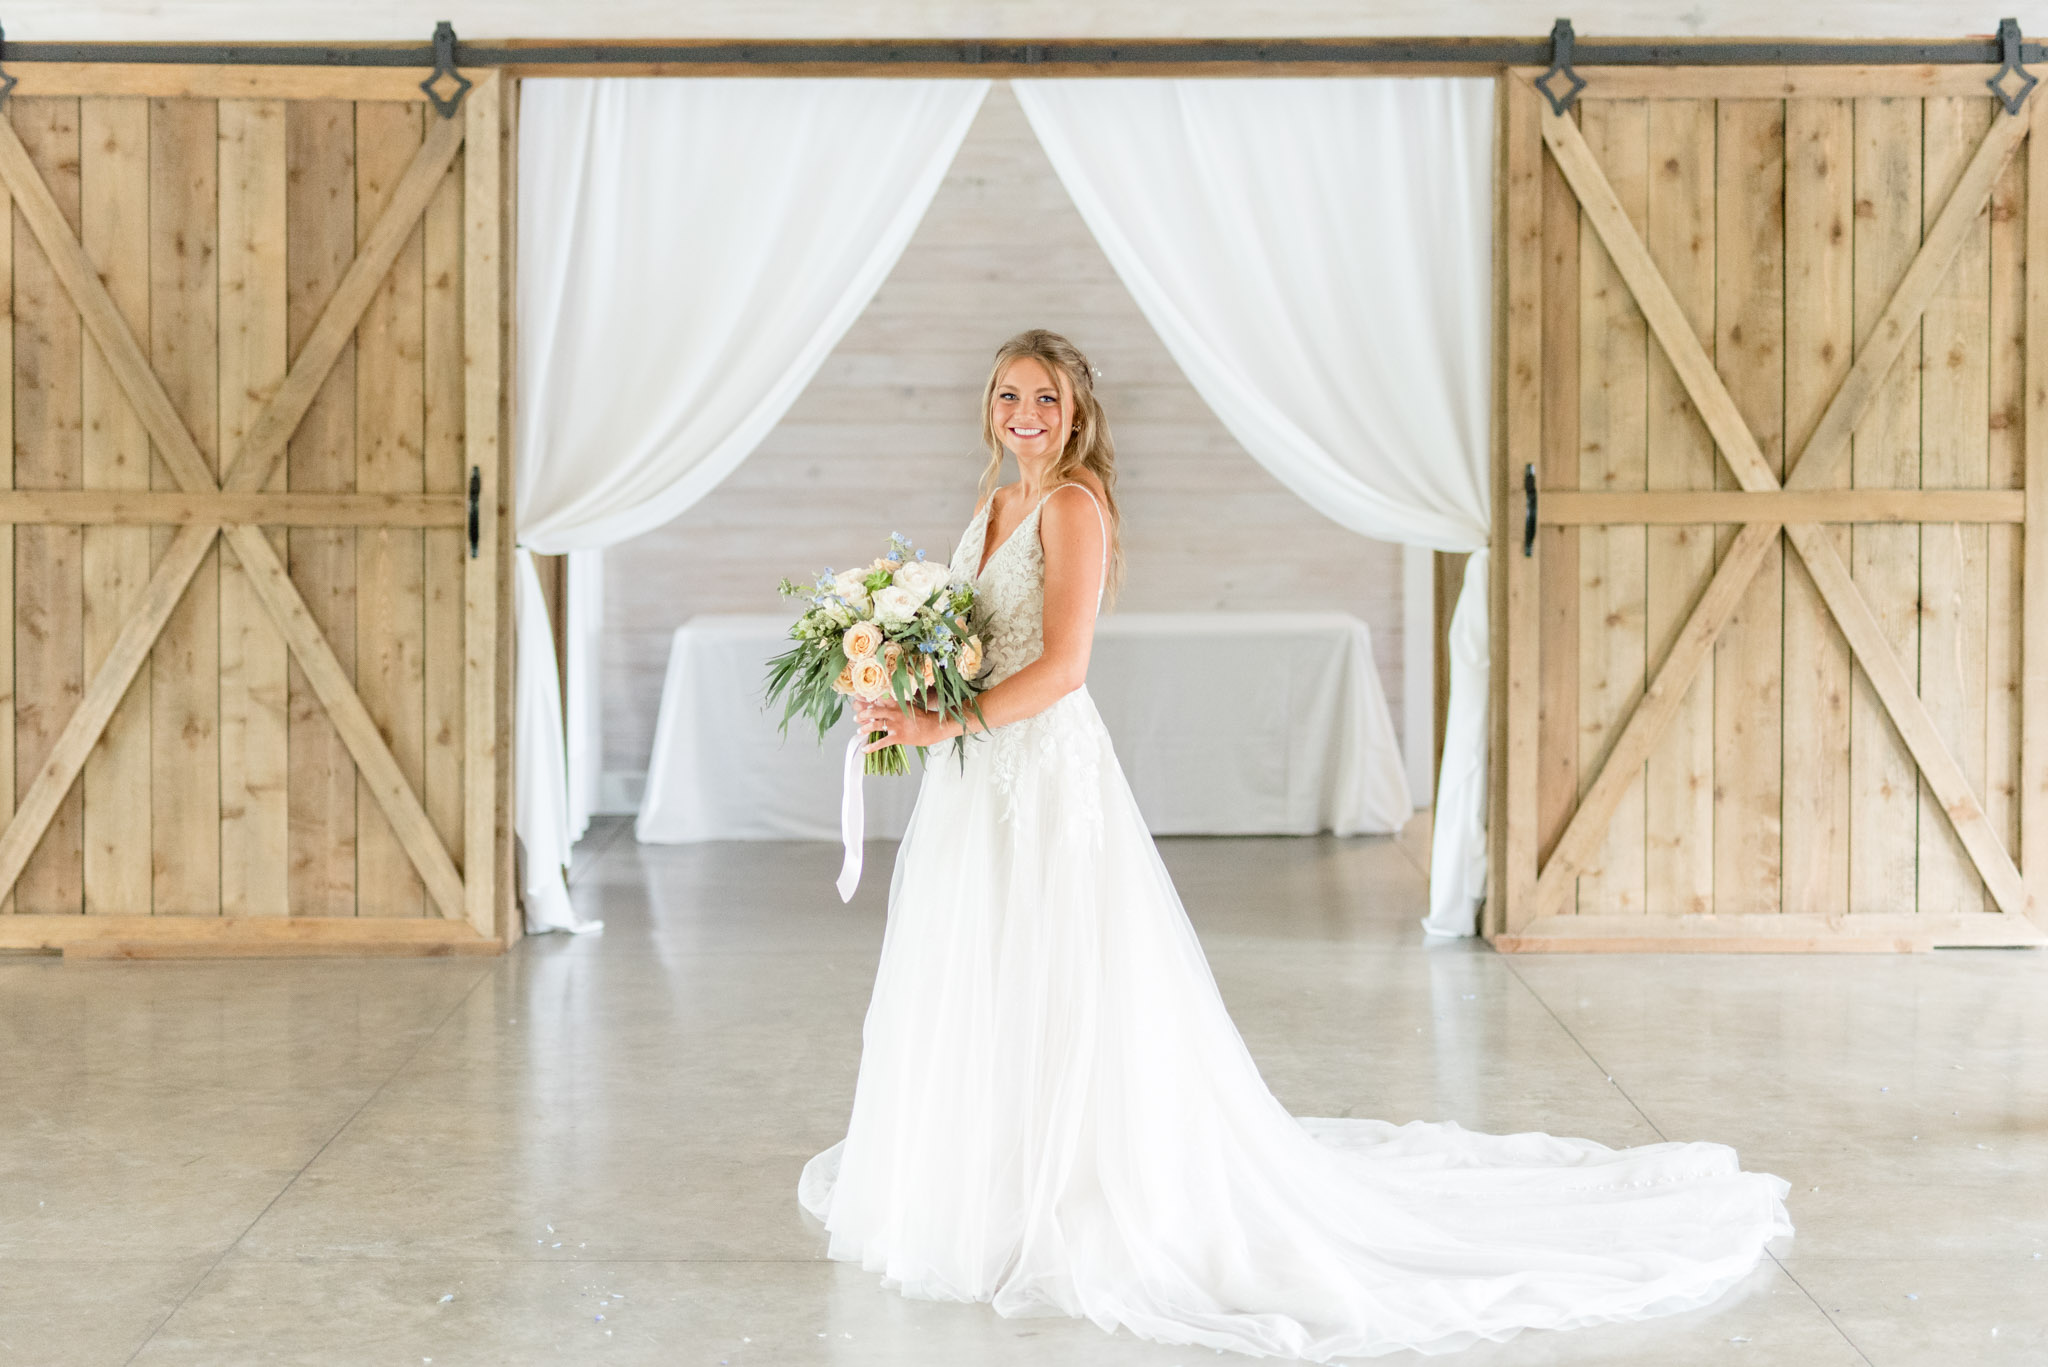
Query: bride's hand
x,y
898,727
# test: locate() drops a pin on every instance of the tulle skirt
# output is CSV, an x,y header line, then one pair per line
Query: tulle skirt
x,y
1056,1115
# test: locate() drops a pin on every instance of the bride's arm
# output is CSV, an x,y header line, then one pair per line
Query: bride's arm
x,y
1072,535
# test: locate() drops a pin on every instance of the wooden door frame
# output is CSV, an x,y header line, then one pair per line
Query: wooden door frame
x,y
470,901
1529,890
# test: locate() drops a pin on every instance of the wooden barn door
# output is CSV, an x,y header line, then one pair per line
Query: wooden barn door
x,y
250,554
1776,374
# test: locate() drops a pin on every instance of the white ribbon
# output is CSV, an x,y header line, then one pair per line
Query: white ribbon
x,y
851,829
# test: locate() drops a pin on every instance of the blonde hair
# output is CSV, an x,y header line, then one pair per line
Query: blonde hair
x,y
1089,445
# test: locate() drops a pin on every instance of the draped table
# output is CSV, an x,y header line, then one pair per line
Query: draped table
x,y
1225,724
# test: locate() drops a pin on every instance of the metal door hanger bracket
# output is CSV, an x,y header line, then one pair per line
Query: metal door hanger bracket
x,y
476,490
7,80
1561,67
2009,55
444,67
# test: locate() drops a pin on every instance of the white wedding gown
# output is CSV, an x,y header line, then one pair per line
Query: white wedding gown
x,y
1055,1113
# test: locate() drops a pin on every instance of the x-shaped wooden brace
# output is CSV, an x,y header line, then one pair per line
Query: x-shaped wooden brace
x,y
1820,456
248,472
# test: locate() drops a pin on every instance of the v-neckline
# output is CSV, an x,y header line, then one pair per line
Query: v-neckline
x,y
987,517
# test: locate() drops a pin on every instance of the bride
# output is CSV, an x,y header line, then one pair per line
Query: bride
x,y
1055,1113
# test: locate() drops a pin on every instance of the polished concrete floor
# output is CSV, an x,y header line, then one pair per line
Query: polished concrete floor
x,y
587,1151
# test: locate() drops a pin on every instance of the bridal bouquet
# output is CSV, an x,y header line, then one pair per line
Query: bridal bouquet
x,y
897,628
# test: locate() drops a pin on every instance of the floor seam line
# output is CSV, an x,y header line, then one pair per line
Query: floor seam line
x,y
1854,1346
598,855
1655,1128
293,1180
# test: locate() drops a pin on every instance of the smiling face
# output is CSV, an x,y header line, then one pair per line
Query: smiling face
x,y
1029,411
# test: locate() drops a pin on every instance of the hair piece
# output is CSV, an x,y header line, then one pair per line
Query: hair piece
x,y
1089,445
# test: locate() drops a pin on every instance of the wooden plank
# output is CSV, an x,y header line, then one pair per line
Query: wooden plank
x,y
49,208
1661,312
1778,82
49,656
1819,338
176,447
1954,454
114,231
504,875
2005,454
321,463
2033,775
7,546
165,937
158,508
1887,318
1881,340
1790,933
1613,567
1660,700
1557,745
44,788
483,281
390,620
443,553
394,791
1576,507
1749,354
219,82
381,239
1885,561
1679,786
185,665
1521,264
255,836
1923,740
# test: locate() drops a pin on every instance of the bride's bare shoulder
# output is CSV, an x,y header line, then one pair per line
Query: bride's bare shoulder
x,y
1083,479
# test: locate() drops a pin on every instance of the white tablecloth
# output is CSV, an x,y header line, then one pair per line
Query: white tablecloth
x,y
1225,724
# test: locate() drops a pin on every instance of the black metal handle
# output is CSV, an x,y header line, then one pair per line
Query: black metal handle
x,y
1529,500
476,492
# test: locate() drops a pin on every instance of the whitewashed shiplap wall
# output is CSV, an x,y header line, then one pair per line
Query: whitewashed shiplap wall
x,y
886,438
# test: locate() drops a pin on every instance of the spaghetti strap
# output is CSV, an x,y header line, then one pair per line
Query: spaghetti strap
x,y
1102,520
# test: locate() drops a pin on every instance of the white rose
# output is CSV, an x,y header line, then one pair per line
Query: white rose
x,y
852,586
922,578
896,604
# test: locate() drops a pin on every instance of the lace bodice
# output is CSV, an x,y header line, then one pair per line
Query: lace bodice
x,y
1067,738
1010,614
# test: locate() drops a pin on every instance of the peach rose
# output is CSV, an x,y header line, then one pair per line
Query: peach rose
x,y
892,655
870,679
970,658
929,671
862,639
843,685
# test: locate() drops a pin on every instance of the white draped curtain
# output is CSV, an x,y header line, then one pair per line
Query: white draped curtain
x,y
1316,255
689,253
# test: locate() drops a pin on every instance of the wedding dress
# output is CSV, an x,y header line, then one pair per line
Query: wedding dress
x,y
1055,1113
